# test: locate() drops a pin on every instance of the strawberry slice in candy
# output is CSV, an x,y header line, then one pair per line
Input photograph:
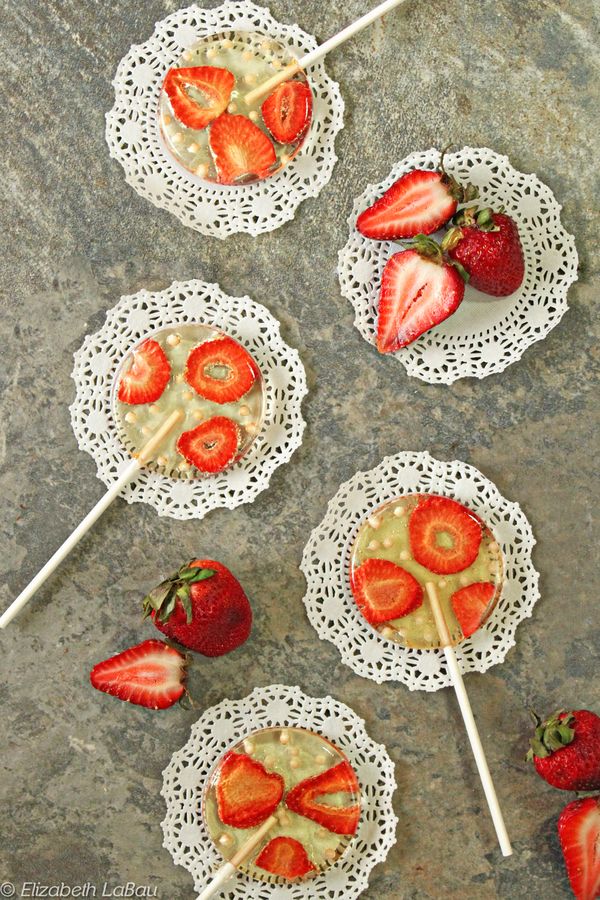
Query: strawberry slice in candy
x,y
146,376
579,835
384,591
287,111
444,535
212,445
304,799
418,290
286,857
470,605
198,94
246,793
240,149
220,370
150,674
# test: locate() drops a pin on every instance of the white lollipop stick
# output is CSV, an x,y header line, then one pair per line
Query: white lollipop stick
x,y
225,872
467,714
315,55
95,513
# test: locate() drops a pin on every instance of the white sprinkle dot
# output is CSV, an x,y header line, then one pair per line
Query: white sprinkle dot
x,y
226,840
177,138
232,108
193,147
249,746
399,511
244,411
320,759
227,44
187,55
442,583
162,460
294,763
373,545
250,78
130,417
202,170
167,119
146,430
173,340
253,115
187,395
404,554
374,522
387,543
284,738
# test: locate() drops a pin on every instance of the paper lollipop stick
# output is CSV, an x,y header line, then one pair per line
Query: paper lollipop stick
x,y
84,526
315,55
227,870
467,714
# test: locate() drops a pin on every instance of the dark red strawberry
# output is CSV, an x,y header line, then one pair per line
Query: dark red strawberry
x,y
240,149
470,605
579,835
304,799
246,793
212,446
420,202
444,535
146,375
384,591
419,289
566,750
286,857
221,370
488,247
287,111
150,674
203,607
198,94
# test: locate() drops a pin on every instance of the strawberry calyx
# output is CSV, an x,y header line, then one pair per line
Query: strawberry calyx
x,y
162,600
462,193
436,253
551,735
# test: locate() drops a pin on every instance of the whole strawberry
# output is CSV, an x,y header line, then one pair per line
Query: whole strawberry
x,y
203,607
579,836
566,750
488,247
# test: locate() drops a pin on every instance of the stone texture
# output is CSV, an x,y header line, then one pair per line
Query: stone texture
x,y
81,772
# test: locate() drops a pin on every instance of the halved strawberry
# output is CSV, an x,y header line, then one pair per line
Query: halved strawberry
x,y
246,793
286,857
417,292
384,591
579,835
287,111
220,370
340,779
150,674
240,148
198,94
444,535
470,605
146,376
212,445
420,202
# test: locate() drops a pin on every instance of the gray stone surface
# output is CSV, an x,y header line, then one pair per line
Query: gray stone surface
x,y
81,772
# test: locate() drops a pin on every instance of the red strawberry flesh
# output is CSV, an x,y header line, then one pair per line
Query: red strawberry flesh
x,y
384,591
286,857
287,111
212,446
579,835
150,674
304,799
471,604
221,370
420,202
198,94
247,793
444,535
240,149
146,375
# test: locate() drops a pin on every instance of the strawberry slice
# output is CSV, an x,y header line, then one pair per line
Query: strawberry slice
x,y
150,674
220,370
340,779
147,375
246,793
416,294
212,445
286,857
240,149
384,591
420,202
444,535
198,94
579,835
471,603
287,111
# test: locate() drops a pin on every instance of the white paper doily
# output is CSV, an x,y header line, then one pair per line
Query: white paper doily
x,y
137,315
133,137
485,334
220,727
326,566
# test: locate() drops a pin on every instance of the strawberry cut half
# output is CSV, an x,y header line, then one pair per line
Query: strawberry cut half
x,y
150,674
339,779
287,111
220,370
384,591
240,149
416,294
246,793
579,835
198,94
147,375
286,857
470,605
444,535
212,445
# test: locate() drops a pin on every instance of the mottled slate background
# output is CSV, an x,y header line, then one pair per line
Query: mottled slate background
x,y
81,773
